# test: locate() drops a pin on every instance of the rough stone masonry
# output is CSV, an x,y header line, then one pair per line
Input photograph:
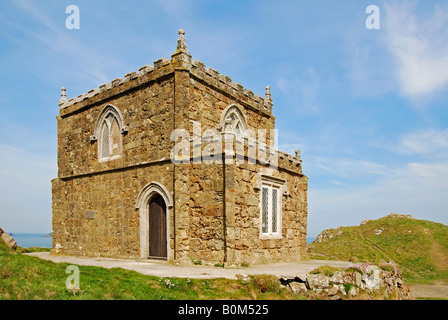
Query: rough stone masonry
x,y
122,193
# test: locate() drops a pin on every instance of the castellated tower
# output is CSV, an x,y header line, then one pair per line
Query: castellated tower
x,y
176,162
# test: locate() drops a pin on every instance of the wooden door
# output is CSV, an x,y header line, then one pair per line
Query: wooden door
x,y
157,228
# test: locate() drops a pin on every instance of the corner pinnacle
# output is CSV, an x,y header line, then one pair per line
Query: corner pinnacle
x,y
268,100
63,99
181,44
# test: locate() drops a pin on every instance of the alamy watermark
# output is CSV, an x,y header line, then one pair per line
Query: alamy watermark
x,y
73,21
213,146
373,20
72,281
372,277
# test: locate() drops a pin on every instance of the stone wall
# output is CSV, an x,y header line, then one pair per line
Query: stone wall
x,y
211,93
96,215
243,216
147,113
373,283
205,213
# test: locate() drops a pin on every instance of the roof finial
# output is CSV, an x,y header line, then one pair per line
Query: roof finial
x,y
268,100
181,45
63,96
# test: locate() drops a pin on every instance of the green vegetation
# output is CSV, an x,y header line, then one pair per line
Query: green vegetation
x,y
24,277
326,270
245,264
33,249
419,247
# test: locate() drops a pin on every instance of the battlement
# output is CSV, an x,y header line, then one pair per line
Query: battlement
x,y
224,83
162,67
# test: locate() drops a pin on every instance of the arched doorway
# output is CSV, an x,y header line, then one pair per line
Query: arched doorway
x,y
157,227
154,202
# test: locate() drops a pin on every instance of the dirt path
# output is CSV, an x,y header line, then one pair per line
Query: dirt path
x,y
429,290
438,289
439,256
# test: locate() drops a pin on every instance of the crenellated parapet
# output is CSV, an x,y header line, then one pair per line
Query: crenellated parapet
x,y
225,84
180,60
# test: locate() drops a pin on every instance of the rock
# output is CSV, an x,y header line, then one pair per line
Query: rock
x,y
243,277
341,288
327,235
378,231
298,287
352,292
357,278
338,277
353,278
383,284
364,222
10,242
333,291
316,281
373,284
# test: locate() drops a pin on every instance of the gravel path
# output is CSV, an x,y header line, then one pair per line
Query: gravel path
x,y
164,269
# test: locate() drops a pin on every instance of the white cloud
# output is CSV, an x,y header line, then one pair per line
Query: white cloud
x,y
346,168
425,142
419,47
431,142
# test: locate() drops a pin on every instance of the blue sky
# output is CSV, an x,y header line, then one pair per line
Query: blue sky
x,y
368,108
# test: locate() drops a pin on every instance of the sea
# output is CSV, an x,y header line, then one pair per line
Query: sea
x,y
26,240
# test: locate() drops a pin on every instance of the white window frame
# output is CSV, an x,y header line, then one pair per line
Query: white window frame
x,y
270,184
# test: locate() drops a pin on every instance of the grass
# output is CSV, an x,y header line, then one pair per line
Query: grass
x,y
419,247
326,270
24,277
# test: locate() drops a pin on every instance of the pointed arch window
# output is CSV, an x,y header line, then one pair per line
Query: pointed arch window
x,y
108,131
234,121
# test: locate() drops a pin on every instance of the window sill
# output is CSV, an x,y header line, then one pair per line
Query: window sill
x,y
266,236
110,158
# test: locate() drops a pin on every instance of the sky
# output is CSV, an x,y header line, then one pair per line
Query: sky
x,y
368,108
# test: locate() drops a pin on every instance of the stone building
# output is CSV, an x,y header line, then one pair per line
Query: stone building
x,y
176,162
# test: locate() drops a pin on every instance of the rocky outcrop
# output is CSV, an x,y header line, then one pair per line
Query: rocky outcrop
x,y
8,239
328,235
363,282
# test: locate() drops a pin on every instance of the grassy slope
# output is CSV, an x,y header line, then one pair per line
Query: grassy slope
x,y
24,277
420,247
